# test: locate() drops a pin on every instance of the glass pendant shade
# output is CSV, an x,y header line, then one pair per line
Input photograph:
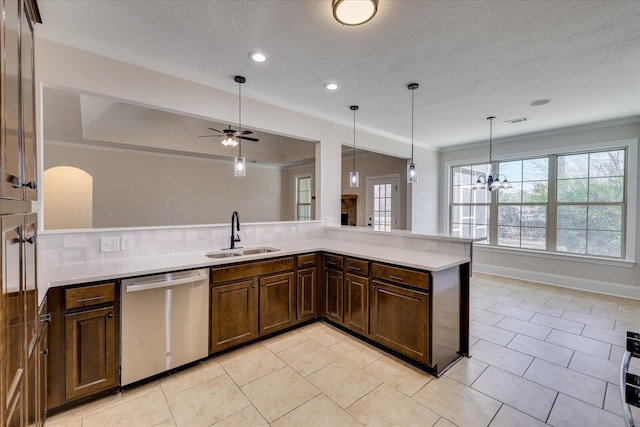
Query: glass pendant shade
x,y
506,184
354,179
240,166
412,174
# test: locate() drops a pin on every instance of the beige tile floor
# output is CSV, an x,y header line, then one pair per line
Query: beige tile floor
x,y
541,355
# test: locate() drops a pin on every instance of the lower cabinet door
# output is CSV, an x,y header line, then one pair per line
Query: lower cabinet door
x,y
234,314
277,302
400,320
90,343
356,303
332,292
306,290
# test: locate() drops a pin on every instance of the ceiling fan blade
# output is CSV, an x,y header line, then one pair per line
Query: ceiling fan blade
x,y
249,139
246,132
210,136
215,130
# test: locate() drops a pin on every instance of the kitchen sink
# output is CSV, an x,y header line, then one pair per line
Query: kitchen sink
x,y
229,253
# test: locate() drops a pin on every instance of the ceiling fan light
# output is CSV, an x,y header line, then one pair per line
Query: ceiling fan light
x,y
229,141
354,12
240,166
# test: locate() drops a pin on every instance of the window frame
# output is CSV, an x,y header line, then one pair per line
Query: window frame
x,y
630,197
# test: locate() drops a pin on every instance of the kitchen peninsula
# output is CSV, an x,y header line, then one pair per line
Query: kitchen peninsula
x,y
386,289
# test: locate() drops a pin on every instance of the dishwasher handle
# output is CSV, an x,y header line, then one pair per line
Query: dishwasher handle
x,y
165,283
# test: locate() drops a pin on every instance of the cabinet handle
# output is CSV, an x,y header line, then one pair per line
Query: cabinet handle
x,y
31,184
110,316
253,286
90,299
331,263
31,240
373,287
398,278
45,317
354,268
45,351
308,262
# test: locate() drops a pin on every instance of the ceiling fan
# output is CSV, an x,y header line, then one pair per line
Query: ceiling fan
x,y
230,136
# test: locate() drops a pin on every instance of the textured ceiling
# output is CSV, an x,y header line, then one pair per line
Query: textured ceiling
x,y
472,59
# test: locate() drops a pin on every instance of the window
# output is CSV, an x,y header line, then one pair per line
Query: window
x,y
571,203
382,207
303,199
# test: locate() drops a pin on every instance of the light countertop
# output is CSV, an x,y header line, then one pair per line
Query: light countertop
x,y
68,274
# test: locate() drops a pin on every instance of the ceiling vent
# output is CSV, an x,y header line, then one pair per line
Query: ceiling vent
x,y
518,120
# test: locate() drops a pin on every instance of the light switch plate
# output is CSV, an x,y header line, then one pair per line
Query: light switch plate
x,y
432,246
109,244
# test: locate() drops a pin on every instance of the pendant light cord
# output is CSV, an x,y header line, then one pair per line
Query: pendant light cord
x,y
490,142
240,118
412,96
354,140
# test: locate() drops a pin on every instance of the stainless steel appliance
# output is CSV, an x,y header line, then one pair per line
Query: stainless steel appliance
x,y
164,323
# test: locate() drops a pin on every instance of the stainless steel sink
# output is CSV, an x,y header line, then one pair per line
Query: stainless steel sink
x,y
240,252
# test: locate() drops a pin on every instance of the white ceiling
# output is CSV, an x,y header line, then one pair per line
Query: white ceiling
x,y
472,59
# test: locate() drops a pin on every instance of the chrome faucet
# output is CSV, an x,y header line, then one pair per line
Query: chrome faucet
x,y
235,218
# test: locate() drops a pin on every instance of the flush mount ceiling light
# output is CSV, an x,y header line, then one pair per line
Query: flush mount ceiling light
x,y
354,12
258,56
539,102
354,177
491,182
331,86
240,163
412,171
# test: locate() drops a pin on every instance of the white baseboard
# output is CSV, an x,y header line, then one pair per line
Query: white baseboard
x,y
607,288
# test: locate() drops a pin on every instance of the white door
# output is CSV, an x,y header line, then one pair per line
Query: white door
x,y
382,202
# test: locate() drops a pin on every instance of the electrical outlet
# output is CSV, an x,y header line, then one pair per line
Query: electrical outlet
x,y
432,246
525,260
292,230
127,243
109,244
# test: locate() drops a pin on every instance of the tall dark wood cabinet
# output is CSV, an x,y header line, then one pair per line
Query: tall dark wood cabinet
x,y
20,333
333,288
356,295
307,287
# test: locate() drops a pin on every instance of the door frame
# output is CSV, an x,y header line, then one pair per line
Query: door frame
x,y
368,198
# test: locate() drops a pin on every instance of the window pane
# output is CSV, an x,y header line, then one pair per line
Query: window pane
x,y
462,176
605,218
572,217
605,243
534,216
606,189
572,190
512,170
305,197
512,195
534,238
480,196
509,236
574,241
509,215
574,166
608,163
461,194
534,170
536,191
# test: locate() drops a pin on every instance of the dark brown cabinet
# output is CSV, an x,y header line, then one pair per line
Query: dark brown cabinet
x,y
400,319
251,299
356,303
90,352
234,314
306,294
277,302
333,288
83,355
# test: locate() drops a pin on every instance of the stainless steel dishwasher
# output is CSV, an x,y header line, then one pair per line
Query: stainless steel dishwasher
x,y
164,323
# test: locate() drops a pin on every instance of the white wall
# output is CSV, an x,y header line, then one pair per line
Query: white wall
x,y
65,67
424,194
607,277
133,188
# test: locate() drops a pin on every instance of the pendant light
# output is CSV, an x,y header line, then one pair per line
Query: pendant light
x,y
240,163
491,182
412,171
354,177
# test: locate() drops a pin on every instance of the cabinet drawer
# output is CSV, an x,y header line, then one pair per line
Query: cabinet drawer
x,y
333,262
89,295
400,275
308,260
356,266
254,269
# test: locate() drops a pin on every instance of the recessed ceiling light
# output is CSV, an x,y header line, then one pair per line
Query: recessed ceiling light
x,y
540,102
258,56
331,86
